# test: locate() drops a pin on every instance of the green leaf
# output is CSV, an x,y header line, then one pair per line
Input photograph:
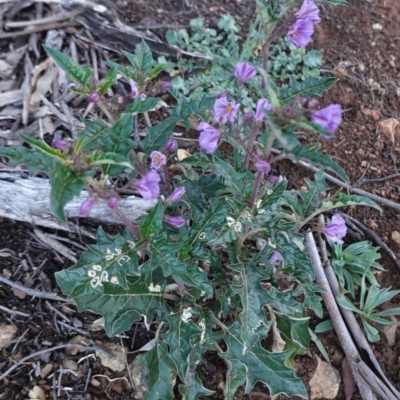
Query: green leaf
x,y
311,154
156,70
195,389
109,80
93,134
65,185
195,105
117,139
33,160
246,283
164,254
44,147
111,163
235,377
139,106
158,135
76,73
334,2
161,372
313,59
307,88
179,335
153,222
143,59
262,366
309,200
343,200
105,281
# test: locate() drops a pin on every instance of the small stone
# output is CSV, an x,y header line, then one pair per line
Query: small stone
x,y
95,383
77,340
396,237
360,153
118,362
7,333
45,371
70,364
19,293
325,382
37,393
377,27
7,273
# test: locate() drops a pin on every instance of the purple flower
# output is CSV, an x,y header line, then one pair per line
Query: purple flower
x,y
336,229
60,145
94,98
167,85
177,222
148,186
157,159
262,104
221,95
300,32
176,194
244,71
225,110
134,89
86,206
276,258
329,118
143,96
274,179
262,166
112,202
171,145
208,138
310,11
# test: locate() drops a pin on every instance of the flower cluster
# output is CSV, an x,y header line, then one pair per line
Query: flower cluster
x,y
301,31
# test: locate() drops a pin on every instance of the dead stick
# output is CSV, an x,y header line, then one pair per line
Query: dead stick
x,y
61,346
38,29
346,341
32,292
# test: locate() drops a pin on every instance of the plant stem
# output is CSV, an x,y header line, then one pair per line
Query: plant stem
x,y
268,147
105,111
126,221
136,130
139,166
252,139
257,182
166,177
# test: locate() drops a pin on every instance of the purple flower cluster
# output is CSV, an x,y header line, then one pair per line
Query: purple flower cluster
x,y
336,229
225,111
329,118
208,138
148,186
301,31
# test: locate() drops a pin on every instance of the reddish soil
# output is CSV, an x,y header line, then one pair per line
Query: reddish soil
x,y
367,61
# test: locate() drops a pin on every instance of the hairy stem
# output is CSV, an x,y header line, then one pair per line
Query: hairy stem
x,y
105,111
250,145
257,182
166,177
126,221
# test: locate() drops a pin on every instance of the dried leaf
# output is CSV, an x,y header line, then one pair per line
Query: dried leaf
x,y
391,129
348,379
43,87
7,333
325,381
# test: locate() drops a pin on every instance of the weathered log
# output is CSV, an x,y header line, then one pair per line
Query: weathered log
x,y
27,200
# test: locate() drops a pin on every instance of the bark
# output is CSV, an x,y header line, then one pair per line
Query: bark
x,y
27,200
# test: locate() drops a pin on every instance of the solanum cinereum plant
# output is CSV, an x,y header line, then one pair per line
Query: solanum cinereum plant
x,y
220,262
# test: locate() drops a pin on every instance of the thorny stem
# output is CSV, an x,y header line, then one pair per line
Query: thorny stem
x,y
166,177
250,145
126,221
140,167
268,147
136,130
257,182
105,111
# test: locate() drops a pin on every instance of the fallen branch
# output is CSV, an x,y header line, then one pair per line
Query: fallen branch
x,y
61,346
344,185
27,200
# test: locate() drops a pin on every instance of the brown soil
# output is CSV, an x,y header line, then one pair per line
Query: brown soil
x,y
367,62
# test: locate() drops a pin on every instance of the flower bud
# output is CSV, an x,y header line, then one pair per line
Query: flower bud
x,y
167,85
112,202
248,117
143,96
262,166
60,145
176,194
94,98
276,258
171,145
86,206
274,179
176,222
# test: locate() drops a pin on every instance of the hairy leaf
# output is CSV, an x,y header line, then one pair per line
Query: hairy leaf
x,y
139,106
93,134
262,366
153,222
75,72
158,135
194,389
65,185
117,139
109,80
